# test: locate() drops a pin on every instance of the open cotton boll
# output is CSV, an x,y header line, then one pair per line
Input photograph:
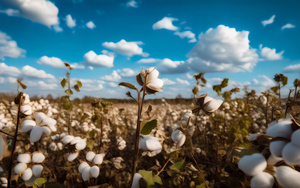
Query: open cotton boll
x,y
36,133
272,160
26,98
39,117
296,138
38,157
3,180
287,177
82,166
90,156
276,148
26,109
20,167
27,174
178,137
150,143
98,159
81,145
24,158
27,125
37,170
86,173
67,139
213,105
72,156
252,164
136,180
59,145
75,140
95,171
282,129
207,99
291,154
50,122
46,130
262,180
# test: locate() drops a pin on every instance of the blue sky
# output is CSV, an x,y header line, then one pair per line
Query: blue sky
x,y
110,41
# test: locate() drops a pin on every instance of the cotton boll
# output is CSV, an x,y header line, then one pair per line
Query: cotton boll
x,y
37,170
136,180
291,154
72,156
252,164
67,139
280,129
213,105
262,180
81,145
27,125
24,158
82,166
122,145
50,123
272,160
178,137
296,138
26,98
59,145
27,174
276,148
95,171
26,109
75,140
20,167
86,173
287,177
98,159
39,117
151,144
38,157
36,133
90,156
46,130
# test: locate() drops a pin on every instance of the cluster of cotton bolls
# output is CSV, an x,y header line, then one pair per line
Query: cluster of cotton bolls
x,y
76,145
117,162
150,145
42,124
86,170
5,119
283,147
25,106
29,166
87,127
45,106
121,143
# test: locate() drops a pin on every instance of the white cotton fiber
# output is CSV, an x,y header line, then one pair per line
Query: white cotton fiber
x,y
287,177
262,180
252,164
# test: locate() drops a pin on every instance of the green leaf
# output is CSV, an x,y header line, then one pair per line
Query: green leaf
x,y
68,105
275,89
129,85
37,183
69,92
76,87
147,126
177,166
79,83
63,82
21,84
152,180
64,98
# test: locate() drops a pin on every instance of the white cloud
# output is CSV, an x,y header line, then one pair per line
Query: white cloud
x,y
9,47
57,28
269,21
57,63
126,48
263,81
165,23
9,70
292,68
70,21
132,3
92,59
223,49
46,86
184,82
186,34
148,60
127,72
168,82
33,72
171,67
114,77
91,67
189,76
40,11
11,12
112,84
288,26
270,54
90,25
11,80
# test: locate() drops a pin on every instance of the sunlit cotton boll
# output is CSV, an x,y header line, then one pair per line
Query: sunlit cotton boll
x,y
20,167
36,133
136,180
98,159
86,173
38,157
287,177
3,182
262,180
24,158
151,144
282,128
39,117
117,162
178,137
252,164
27,174
72,156
291,154
90,156
26,109
154,84
82,166
296,138
276,148
37,170
95,171
27,125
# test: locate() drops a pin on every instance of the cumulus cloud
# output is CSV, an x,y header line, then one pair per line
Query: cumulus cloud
x,y
114,77
34,73
263,81
148,60
57,28
126,48
184,82
269,21
103,60
70,21
189,76
40,11
112,84
46,86
127,72
292,68
132,3
9,47
168,82
9,70
186,34
288,26
57,63
223,49
90,25
165,23
270,54
168,66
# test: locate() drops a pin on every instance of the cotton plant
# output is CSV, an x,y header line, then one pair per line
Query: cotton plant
x,y
29,166
72,144
88,171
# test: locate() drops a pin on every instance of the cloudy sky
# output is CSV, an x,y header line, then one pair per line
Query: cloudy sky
x,y
108,42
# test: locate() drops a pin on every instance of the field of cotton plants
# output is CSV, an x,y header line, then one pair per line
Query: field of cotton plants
x,y
201,142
